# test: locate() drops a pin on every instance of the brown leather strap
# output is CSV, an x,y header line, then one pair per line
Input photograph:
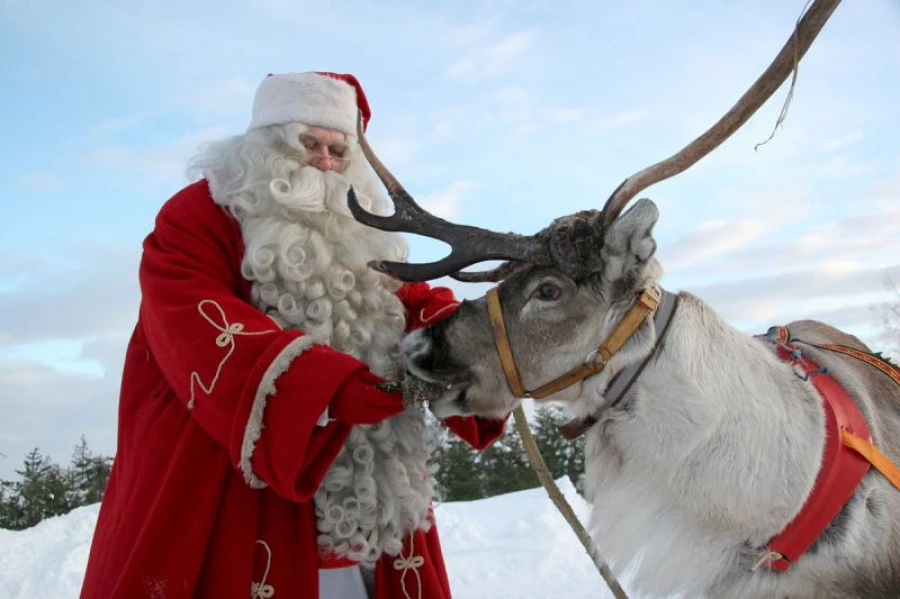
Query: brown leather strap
x,y
632,320
504,351
570,378
622,382
623,331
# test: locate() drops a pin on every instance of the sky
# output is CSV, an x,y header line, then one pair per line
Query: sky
x,y
496,547
501,114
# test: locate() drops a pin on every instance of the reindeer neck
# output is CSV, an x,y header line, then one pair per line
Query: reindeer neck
x,y
717,444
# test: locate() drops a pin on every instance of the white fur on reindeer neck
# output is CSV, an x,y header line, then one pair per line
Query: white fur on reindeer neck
x,y
307,260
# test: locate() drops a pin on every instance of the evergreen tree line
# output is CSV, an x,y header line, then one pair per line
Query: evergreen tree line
x,y
465,474
47,489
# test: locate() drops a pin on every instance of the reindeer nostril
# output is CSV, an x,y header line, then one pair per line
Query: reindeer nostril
x,y
428,357
414,345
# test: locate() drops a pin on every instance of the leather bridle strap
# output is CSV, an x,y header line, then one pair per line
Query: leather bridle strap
x,y
623,331
501,340
621,383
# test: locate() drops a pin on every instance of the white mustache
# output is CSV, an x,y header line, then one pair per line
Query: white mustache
x,y
311,190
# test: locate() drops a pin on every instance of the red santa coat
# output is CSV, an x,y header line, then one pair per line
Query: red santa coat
x,y
214,501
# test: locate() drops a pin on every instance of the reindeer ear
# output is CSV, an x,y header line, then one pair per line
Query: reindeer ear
x,y
629,245
633,231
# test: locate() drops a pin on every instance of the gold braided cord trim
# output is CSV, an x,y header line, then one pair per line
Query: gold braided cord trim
x,y
227,333
411,562
261,589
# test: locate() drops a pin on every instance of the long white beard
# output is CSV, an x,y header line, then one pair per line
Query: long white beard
x,y
307,260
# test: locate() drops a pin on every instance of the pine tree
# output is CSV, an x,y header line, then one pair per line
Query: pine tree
x,y
89,474
505,465
459,478
11,513
575,463
45,490
80,470
563,457
553,446
59,496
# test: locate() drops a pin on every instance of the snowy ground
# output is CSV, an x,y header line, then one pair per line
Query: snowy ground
x,y
514,545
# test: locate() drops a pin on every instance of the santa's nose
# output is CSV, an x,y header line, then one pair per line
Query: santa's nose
x,y
324,162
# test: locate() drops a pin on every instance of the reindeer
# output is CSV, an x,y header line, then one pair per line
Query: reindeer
x,y
717,464
714,448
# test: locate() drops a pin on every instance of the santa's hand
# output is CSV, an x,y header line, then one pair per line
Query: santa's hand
x,y
414,389
361,401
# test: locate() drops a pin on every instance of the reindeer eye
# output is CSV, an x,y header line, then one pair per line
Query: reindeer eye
x,y
548,291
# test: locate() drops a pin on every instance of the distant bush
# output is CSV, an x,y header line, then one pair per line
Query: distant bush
x,y
47,489
464,474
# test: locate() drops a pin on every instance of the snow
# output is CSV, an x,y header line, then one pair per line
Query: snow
x,y
514,545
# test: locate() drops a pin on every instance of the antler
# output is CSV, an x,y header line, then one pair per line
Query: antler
x,y
806,30
504,271
569,243
469,245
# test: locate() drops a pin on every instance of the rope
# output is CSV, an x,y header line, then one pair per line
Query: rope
x,y
405,564
227,333
540,468
261,589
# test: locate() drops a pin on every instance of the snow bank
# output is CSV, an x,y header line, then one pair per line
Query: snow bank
x,y
514,545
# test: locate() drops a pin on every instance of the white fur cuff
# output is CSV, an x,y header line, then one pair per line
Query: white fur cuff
x,y
266,388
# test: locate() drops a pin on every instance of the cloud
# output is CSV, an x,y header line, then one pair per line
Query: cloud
x,y
471,33
229,99
565,115
713,239
618,120
94,295
839,165
442,130
788,239
495,59
797,293
48,408
396,151
446,204
40,181
512,111
65,327
166,160
888,188
839,143
115,125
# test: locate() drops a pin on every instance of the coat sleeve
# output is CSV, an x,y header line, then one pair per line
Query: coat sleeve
x,y
426,305
255,389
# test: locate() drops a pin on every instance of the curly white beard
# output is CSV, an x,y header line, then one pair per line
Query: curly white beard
x,y
307,260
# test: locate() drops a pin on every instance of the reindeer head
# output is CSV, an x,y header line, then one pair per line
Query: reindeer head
x,y
563,291
554,323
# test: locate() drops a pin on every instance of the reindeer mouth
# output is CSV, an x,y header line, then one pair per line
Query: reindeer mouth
x,y
444,382
444,398
453,403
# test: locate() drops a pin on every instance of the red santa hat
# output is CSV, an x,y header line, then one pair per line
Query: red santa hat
x,y
331,100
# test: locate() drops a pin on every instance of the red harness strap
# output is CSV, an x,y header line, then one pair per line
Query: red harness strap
x,y
842,468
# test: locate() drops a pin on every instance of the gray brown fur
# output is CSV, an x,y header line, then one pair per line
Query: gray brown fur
x,y
714,448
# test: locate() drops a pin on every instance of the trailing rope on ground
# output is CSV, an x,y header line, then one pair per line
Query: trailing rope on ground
x,y
543,474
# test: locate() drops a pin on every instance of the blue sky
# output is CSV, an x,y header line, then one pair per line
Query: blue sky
x,y
502,114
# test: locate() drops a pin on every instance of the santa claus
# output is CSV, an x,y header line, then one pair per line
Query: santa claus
x,y
258,456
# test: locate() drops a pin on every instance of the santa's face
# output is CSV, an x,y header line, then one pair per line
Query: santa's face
x,y
326,149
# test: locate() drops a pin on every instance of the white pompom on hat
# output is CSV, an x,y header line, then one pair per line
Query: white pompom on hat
x,y
331,100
